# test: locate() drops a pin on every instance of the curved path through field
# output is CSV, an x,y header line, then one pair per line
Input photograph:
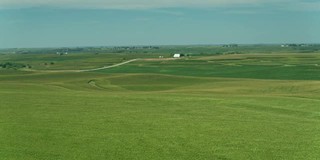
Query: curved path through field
x,y
101,68
86,70
106,67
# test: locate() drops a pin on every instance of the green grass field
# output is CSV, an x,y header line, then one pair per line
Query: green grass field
x,y
224,107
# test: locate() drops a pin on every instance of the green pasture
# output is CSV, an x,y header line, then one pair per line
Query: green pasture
x,y
262,66
224,107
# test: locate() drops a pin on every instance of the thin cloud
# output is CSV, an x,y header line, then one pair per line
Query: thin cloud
x,y
127,4
159,4
306,6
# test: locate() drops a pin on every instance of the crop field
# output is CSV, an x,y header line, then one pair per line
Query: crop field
x,y
203,106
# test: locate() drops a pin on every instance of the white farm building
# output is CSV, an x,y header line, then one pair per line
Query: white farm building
x,y
177,55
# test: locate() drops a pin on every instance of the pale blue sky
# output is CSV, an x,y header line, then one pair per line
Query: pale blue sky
x,y
29,23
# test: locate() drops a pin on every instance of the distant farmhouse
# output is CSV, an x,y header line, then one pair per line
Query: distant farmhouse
x,y
295,45
177,55
230,45
63,52
135,47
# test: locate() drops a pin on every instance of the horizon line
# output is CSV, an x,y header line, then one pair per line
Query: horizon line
x,y
155,45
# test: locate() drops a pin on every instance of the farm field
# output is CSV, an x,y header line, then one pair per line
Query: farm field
x,y
212,106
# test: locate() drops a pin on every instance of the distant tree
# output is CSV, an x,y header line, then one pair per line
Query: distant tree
x,y
10,65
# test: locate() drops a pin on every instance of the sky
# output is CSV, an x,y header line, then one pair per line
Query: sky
x,y
75,23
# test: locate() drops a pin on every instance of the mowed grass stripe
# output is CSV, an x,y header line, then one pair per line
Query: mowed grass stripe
x,y
183,125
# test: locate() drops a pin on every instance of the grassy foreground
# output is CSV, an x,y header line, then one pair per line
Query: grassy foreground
x,y
185,109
